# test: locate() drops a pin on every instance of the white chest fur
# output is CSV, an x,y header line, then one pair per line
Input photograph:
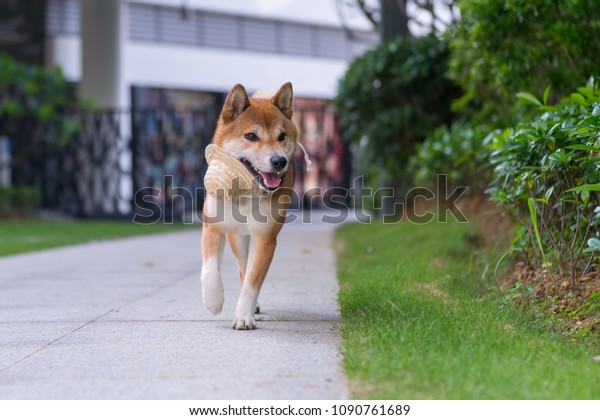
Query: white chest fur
x,y
242,215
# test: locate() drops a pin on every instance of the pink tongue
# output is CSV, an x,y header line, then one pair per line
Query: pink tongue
x,y
271,180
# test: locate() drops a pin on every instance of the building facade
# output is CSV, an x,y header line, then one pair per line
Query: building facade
x,y
159,71
202,45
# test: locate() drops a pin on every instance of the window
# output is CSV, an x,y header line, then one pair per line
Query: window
x,y
161,24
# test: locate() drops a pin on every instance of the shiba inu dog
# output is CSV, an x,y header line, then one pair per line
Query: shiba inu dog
x,y
260,133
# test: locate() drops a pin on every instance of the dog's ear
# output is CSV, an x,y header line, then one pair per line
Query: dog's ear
x,y
235,103
283,100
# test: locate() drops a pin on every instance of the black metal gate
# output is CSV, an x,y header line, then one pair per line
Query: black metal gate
x,y
81,176
151,162
168,161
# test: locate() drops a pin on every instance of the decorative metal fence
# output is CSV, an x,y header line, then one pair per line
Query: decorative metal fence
x,y
91,174
168,160
151,162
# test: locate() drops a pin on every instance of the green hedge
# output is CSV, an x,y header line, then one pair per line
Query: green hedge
x,y
390,99
17,200
505,46
39,97
459,151
547,172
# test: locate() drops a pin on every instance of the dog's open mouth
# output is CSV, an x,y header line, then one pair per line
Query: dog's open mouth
x,y
268,181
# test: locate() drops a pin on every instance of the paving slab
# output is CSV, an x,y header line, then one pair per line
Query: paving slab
x,y
123,319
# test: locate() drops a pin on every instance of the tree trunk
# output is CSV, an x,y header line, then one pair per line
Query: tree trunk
x,y
394,21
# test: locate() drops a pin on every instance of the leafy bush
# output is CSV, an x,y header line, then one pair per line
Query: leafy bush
x,y
501,47
460,152
34,105
17,200
505,46
548,173
390,99
36,97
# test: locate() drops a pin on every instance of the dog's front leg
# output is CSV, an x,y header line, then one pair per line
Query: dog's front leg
x,y
213,242
240,245
262,248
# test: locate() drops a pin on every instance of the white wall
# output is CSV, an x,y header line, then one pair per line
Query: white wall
x,y
170,66
203,68
318,12
65,52
218,70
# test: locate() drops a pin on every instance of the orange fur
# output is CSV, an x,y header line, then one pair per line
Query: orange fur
x,y
267,119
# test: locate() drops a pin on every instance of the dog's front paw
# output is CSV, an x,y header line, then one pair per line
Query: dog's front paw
x,y
213,298
244,322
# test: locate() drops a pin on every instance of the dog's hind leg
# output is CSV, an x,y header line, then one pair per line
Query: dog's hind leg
x,y
213,242
240,245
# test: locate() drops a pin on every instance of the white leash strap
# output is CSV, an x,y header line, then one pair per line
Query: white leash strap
x,y
306,158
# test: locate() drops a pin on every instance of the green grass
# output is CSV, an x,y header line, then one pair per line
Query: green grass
x,y
32,235
420,321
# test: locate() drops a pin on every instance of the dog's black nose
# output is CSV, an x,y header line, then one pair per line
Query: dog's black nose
x,y
278,162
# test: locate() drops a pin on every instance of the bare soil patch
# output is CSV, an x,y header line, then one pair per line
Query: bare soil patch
x,y
576,310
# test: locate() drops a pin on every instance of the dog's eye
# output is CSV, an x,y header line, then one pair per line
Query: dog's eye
x,y
251,136
281,137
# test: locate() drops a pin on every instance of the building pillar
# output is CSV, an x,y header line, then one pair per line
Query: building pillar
x,y
103,38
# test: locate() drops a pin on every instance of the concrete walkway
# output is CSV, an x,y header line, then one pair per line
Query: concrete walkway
x,y
124,319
